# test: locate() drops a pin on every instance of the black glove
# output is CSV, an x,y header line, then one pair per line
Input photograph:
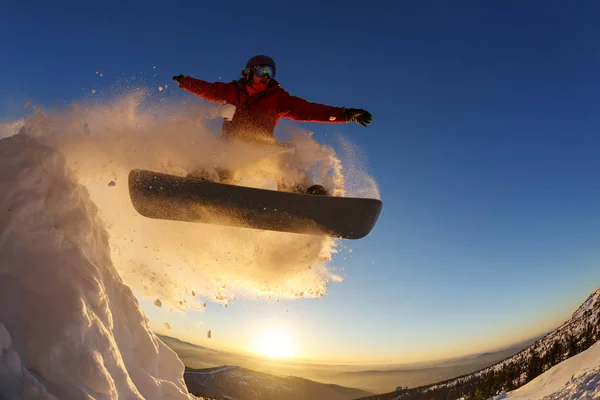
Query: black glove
x,y
358,115
177,78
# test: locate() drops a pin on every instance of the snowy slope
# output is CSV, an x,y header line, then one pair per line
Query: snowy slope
x,y
69,327
575,378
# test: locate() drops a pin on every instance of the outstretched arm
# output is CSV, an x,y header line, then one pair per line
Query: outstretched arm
x,y
217,92
301,110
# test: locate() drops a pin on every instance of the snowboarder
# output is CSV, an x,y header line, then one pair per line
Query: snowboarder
x,y
260,102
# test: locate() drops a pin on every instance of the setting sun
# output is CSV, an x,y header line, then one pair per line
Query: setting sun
x,y
274,343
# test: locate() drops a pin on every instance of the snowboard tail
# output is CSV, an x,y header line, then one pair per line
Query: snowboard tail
x,y
161,196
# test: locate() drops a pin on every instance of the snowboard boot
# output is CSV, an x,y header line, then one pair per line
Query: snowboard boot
x,y
318,190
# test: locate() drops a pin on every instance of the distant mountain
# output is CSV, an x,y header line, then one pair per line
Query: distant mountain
x,y
238,383
169,340
574,336
383,380
504,352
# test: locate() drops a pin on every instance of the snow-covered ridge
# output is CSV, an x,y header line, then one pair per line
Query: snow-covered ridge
x,y
575,378
581,331
589,304
588,314
69,327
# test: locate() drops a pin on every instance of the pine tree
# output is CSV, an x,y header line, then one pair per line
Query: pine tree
x,y
572,347
534,368
555,353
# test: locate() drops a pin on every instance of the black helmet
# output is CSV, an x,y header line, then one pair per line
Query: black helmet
x,y
260,60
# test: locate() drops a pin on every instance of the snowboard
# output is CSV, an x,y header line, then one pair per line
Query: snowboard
x,y
169,197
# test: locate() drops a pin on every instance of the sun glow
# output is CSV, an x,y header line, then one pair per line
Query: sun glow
x,y
275,343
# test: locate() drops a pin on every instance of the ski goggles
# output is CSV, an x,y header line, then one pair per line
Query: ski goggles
x,y
263,70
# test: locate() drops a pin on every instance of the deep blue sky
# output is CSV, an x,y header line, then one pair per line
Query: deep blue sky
x,y
484,143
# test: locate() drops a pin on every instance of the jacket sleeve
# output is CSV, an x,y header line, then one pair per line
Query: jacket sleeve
x,y
298,109
217,92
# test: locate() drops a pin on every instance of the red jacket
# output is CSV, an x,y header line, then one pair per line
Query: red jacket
x,y
257,115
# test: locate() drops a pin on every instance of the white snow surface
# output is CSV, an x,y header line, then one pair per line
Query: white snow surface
x,y
69,327
575,378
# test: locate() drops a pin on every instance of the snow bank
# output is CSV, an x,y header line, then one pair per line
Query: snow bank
x,y
575,378
69,327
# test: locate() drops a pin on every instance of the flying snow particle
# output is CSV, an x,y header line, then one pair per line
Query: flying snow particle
x,y
93,91
160,88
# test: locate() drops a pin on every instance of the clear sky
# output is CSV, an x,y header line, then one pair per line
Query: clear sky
x,y
484,144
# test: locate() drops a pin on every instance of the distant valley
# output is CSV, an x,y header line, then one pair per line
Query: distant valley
x,y
370,378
